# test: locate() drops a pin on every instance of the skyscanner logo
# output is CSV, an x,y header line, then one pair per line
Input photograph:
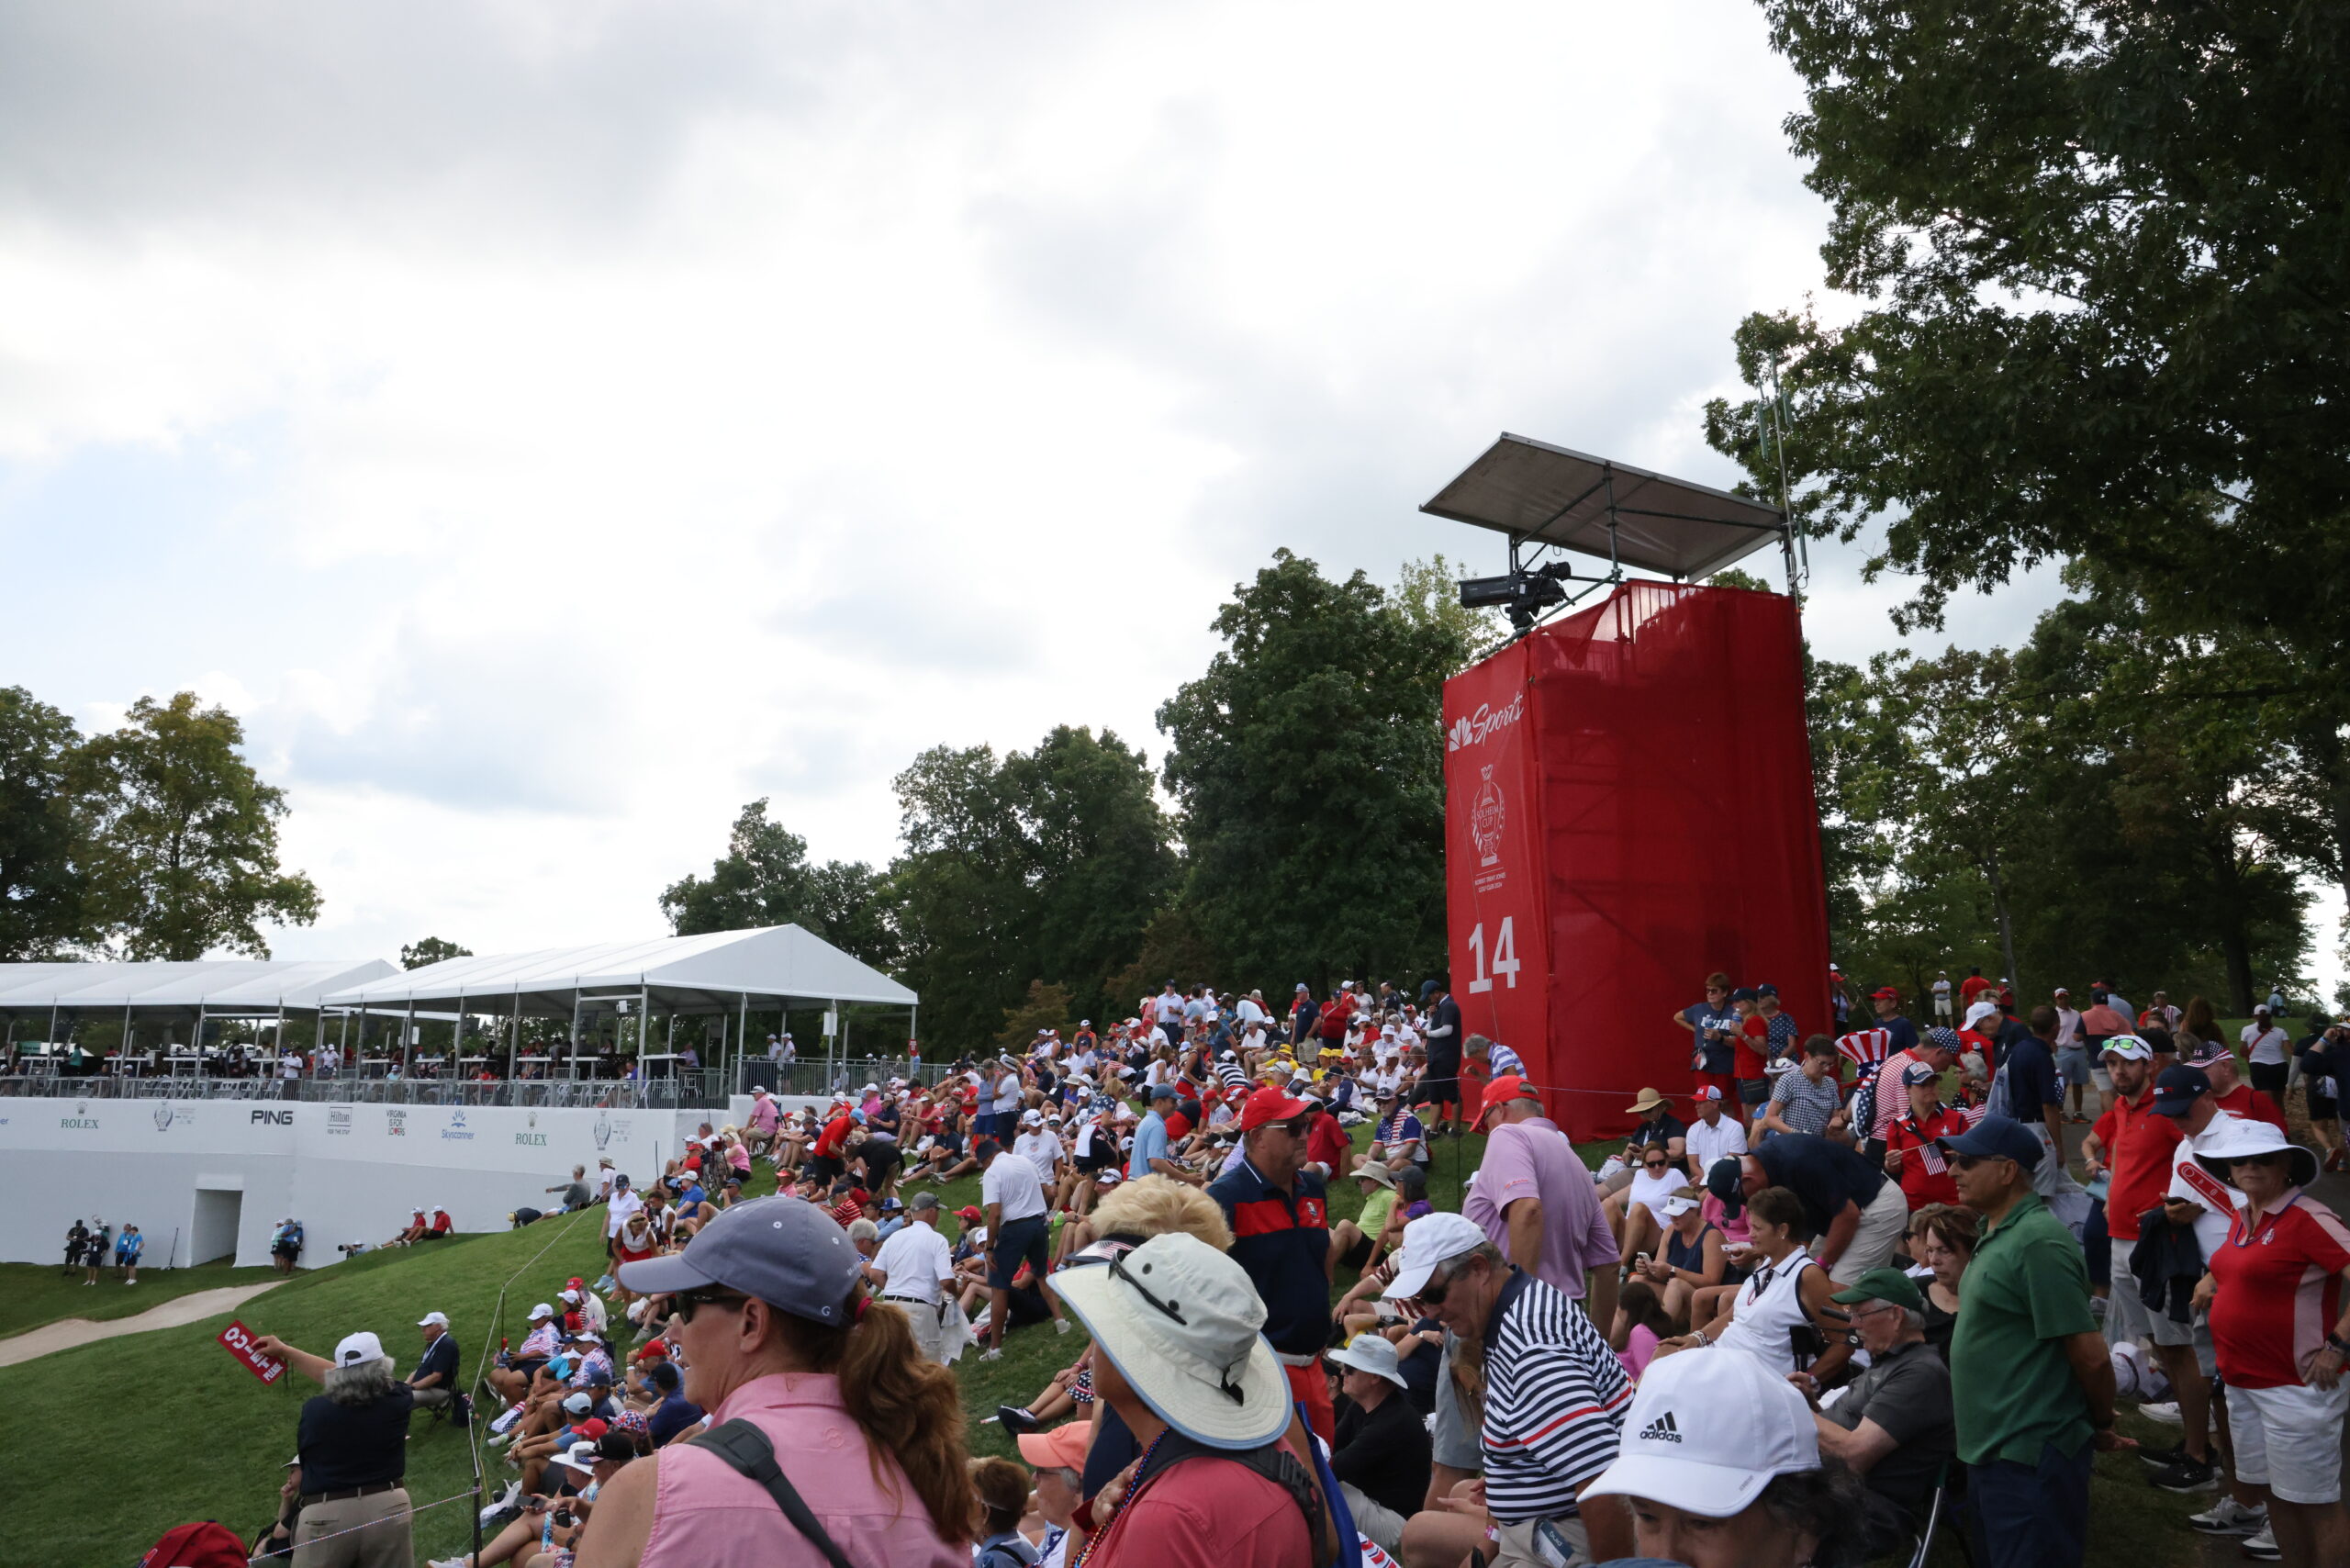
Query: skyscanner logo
x,y
1475,728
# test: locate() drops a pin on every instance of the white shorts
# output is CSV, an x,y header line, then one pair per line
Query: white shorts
x,y
2289,1439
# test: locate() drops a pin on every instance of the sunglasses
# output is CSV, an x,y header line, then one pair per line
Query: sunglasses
x,y
1656,1164
693,1300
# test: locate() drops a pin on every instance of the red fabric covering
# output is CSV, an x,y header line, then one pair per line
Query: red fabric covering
x,y
205,1545
1628,807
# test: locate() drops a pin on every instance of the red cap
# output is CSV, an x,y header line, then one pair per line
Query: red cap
x,y
1062,1448
1267,1105
1501,1091
969,1216
1885,993
591,1428
658,1350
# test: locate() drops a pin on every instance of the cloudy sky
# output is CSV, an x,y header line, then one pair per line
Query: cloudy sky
x,y
550,425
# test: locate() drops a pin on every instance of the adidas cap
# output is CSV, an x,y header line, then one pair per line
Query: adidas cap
x,y
1707,1431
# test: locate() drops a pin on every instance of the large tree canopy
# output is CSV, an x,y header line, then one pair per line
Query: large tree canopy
x,y
1309,764
766,878
2105,252
44,907
185,835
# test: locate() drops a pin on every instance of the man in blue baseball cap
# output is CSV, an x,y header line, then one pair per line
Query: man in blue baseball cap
x,y
2031,1380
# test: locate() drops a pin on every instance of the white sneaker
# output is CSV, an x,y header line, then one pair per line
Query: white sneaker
x,y
513,1490
2262,1547
1060,1324
991,1356
2166,1412
2228,1516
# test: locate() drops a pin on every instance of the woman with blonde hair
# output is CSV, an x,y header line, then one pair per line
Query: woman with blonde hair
x,y
800,1366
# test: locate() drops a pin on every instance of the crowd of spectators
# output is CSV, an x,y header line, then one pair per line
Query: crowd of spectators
x,y
1778,1326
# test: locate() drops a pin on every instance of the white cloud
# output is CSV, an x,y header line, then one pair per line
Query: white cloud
x,y
555,425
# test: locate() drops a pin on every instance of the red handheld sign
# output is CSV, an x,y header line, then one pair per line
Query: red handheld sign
x,y
239,1341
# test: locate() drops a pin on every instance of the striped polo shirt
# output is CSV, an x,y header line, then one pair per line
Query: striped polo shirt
x,y
1555,1396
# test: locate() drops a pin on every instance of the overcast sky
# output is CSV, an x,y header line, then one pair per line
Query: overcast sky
x,y
551,425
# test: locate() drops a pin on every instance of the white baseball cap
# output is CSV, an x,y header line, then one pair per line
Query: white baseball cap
x,y
356,1349
578,1403
542,1310
433,1320
1707,1431
1428,1241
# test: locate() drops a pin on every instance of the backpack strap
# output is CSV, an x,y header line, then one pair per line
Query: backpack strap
x,y
746,1451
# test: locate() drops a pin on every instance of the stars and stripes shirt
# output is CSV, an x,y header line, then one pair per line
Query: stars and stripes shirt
x,y
1555,1396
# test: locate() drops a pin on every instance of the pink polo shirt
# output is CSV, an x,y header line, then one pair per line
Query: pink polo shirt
x,y
704,1513
1532,1159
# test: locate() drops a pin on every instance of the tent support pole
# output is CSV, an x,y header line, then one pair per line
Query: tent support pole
x,y
742,1041
407,1040
573,1052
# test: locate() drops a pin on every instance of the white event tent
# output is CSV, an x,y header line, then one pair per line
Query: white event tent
x,y
171,993
712,975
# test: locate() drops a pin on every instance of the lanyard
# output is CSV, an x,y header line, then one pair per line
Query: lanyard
x,y
2246,1230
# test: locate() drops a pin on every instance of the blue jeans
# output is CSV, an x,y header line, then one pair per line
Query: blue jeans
x,y
2029,1516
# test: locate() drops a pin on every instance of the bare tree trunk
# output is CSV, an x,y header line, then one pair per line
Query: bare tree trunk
x,y
2235,942
2007,923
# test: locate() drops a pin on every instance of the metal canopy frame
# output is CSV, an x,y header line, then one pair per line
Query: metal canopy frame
x,y
1550,500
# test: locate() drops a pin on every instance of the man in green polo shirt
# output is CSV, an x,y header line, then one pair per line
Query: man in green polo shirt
x,y
2029,1376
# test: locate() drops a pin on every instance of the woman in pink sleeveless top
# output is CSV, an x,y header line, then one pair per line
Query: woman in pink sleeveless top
x,y
776,1329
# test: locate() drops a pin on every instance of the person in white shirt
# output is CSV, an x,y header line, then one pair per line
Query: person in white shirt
x,y
1941,996
911,1269
2267,1054
1015,1203
624,1203
1252,1008
1712,1136
605,1175
1041,1147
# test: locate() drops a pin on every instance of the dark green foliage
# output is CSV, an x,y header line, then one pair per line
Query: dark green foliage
x,y
430,950
1309,764
43,839
764,878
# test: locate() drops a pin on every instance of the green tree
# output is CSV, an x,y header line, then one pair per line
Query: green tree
x,y
1045,866
1045,1007
2102,247
185,836
1308,762
1427,593
43,837
766,878
430,950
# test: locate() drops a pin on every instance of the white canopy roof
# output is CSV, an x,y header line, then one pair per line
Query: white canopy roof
x,y
226,988
706,973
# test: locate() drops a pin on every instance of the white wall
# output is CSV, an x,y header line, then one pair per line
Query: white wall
x,y
347,1172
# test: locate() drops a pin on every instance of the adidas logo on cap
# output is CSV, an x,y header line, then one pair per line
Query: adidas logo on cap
x,y
1664,1429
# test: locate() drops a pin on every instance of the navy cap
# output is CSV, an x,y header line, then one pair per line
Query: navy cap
x,y
2177,1088
1744,994
785,1252
1726,1180
1996,1138
1763,991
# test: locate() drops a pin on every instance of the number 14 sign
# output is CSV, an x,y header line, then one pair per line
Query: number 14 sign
x,y
1505,964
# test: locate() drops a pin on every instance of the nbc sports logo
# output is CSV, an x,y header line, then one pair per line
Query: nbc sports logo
x,y
1460,736
1664,1429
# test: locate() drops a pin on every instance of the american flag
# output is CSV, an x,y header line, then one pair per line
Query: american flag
x,y
1865,1047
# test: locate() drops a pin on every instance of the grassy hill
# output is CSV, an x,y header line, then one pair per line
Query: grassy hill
x,y
116,1442
35,1294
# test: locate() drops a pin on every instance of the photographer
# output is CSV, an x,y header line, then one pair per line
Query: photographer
x,y
352,1443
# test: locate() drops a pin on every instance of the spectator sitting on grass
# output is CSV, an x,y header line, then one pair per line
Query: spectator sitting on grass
x,y
511,1381
575,1192
1058,1460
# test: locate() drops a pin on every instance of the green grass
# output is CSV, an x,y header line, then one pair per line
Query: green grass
x,y
35,1294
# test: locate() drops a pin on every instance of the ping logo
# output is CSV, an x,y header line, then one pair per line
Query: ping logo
x,y
274,1119
1664,1429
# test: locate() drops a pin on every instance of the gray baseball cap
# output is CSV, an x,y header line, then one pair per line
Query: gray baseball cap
x,y
785,1252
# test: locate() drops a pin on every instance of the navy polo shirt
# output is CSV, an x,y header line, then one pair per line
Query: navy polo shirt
x,y
1283,1241
441,1356
1904,1033
1659,1131
1824,1175
2033,1083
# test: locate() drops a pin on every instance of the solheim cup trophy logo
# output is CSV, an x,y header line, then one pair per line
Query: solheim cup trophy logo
x,y
603,1130
163,1116
1485,819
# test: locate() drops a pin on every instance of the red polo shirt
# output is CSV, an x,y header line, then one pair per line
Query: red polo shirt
x,y
2250,1103
2141,1146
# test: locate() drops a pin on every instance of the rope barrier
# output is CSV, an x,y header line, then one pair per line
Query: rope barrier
x,y
413,1511
497,1315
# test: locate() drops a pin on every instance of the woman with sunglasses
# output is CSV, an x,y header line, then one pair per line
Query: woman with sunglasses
x,y
2280,1326
784,1348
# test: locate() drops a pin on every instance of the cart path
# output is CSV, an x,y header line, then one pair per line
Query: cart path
x,y
65,1334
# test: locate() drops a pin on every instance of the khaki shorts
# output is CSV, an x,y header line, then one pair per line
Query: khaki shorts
x,y
2127,1316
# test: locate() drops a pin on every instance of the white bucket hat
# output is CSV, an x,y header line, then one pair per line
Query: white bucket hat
x,y
1707,1431
2251,1137
1185,1327
1372,1353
